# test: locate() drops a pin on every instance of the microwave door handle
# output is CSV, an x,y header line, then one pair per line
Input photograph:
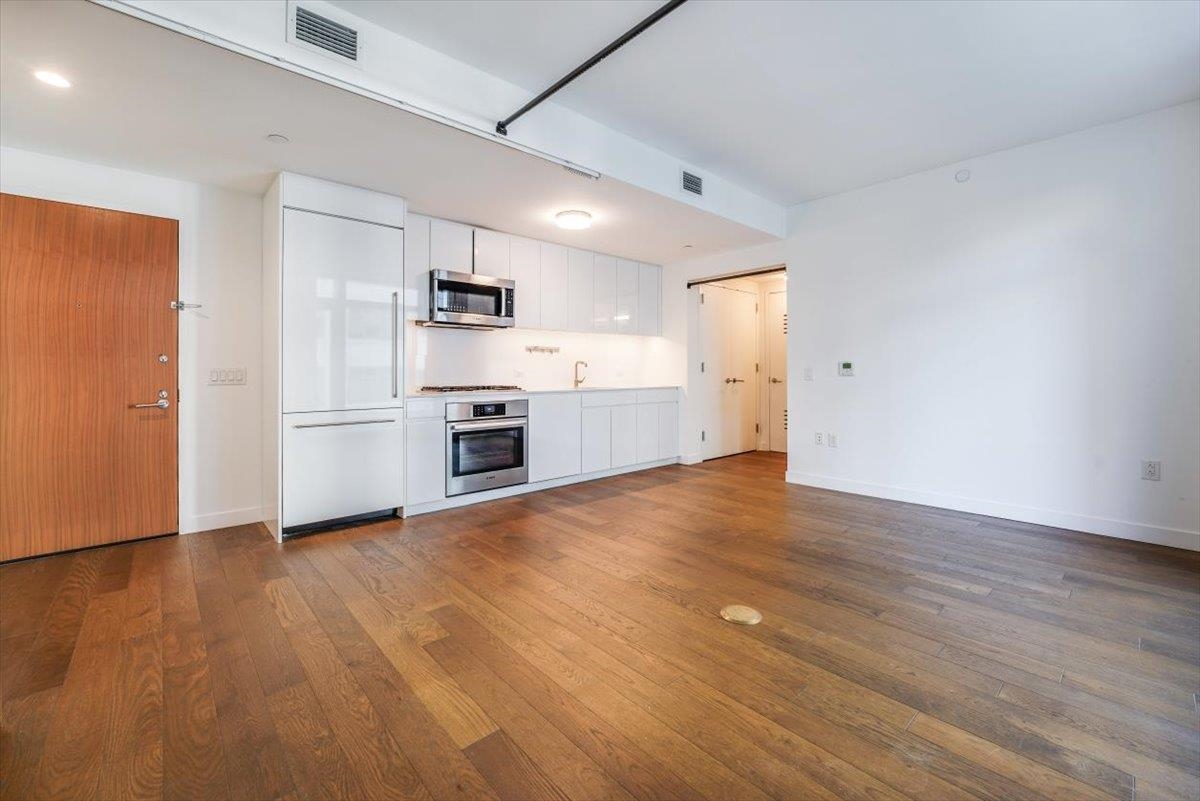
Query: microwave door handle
x,y
482,425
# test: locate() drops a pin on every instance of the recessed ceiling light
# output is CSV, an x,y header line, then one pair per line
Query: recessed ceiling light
x,y
962,176
52,78
573,220
278,139
687,247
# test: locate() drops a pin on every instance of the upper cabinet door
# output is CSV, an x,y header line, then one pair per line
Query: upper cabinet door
x,y
451,246
579,282
342,284
416,267
491,253
648,323
628,277
525,270
555,283
604,309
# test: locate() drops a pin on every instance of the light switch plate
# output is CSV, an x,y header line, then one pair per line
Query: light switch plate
x,y
226,376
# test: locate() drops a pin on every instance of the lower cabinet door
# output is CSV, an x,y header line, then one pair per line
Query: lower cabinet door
x,y
341,464
425,453
647,432
597,436
555,435
668,430
624,435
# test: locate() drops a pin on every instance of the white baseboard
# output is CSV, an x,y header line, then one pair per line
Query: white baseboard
x,y
521,489
691,458
1120,529
231,517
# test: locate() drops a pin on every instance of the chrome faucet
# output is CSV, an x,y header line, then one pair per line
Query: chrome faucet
x,y
579,380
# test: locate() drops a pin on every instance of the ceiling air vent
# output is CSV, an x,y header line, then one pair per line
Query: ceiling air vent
x,y
318,31
692,183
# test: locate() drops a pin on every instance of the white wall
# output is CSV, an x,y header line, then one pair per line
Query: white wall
x,y
448,356
1021,340
220,266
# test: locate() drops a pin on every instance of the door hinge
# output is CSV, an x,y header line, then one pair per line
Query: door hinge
x,y
179,305
756,367
702,367
701,297
756,428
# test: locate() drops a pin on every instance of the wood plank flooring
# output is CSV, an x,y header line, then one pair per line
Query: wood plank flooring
x,y
566,645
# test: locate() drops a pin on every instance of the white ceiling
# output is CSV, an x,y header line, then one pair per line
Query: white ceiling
x,y
797,100
162,103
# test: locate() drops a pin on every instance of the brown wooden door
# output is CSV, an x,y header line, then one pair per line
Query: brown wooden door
x,y
84,315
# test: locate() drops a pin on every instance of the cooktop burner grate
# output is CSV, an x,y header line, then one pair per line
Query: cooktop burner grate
x,y
474,388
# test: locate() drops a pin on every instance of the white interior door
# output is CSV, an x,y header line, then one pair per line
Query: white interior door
x,y
777,371
743,382
728,321
713,355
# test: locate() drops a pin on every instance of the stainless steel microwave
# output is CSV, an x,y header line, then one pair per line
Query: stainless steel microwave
x,y
467,300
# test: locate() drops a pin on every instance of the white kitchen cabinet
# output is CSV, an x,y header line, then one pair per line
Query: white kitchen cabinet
x,y
341,464
451,246
491,253
624,442
555,435
555,289
668,430
628,279
597,439
647,432
524,268
341,325
579,284
416,267
648,304
604,283
425,459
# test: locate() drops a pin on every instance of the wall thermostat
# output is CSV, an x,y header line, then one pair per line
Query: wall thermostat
x,y
845,368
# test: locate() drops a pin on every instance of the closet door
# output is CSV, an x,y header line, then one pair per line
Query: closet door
x,y
729,347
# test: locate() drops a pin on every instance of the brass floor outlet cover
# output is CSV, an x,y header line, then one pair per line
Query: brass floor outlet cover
x,y
742,615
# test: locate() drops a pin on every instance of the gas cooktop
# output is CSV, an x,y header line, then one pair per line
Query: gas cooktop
x,y
474,388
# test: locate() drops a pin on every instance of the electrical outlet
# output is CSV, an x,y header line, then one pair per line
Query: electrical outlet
x,y
819,438
833,442
1151,470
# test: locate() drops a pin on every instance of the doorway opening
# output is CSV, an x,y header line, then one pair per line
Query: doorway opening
x,y
742,360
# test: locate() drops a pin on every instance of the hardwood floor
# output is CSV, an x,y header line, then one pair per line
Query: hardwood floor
x,y
566,644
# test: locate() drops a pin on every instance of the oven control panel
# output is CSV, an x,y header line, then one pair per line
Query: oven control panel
x,y
488,410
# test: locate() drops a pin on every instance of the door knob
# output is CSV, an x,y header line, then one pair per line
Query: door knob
x,y
161,403
737,381
775,380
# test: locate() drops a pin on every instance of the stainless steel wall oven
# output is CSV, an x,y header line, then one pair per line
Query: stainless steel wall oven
x,y
486,445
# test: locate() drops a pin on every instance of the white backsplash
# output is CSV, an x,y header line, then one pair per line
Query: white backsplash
x,y
453,356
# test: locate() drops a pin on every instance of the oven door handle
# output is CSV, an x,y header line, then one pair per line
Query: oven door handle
x,y
495,425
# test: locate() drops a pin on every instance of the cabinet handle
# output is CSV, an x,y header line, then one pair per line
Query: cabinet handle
x,y
395,340
347,423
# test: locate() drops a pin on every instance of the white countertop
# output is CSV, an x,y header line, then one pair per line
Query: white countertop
x,y
527,392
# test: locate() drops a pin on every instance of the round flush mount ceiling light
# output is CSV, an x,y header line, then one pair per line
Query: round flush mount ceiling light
x,y
277,139
573,220
962,176
52,78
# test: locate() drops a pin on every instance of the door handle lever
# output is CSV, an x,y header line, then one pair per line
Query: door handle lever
x,y
161,403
